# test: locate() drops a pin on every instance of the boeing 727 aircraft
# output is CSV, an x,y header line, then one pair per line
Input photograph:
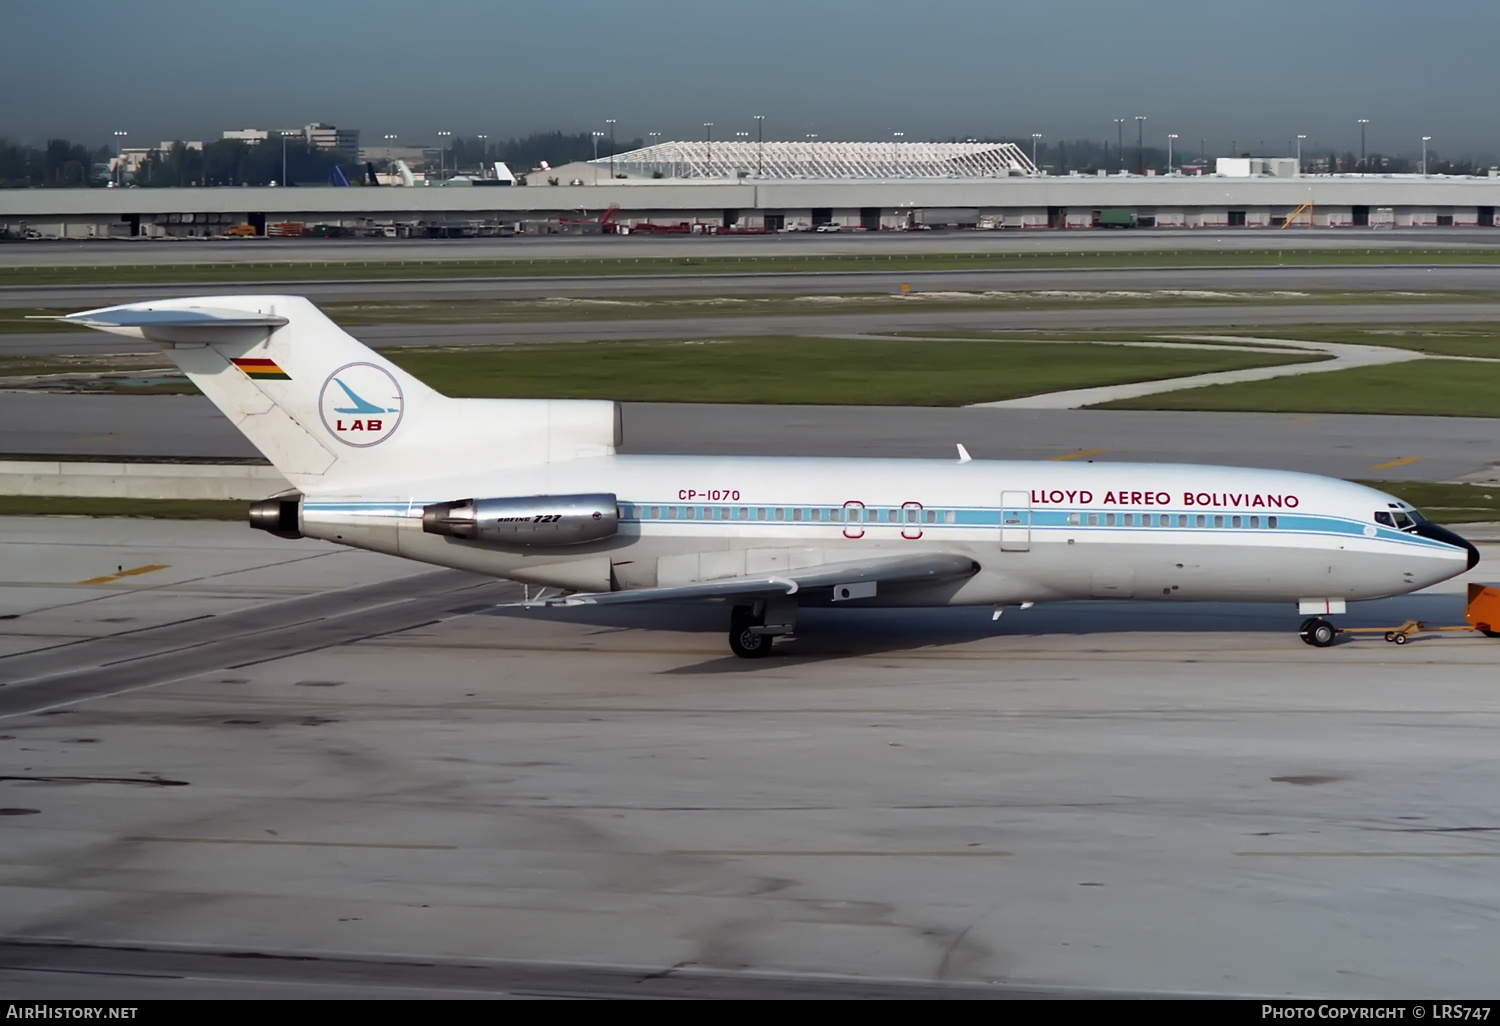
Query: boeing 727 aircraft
x,y
534,491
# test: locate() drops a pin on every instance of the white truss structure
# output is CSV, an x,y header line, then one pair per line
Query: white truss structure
x,y
823,160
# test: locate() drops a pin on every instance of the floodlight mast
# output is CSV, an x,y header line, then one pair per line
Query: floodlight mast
x,y
760,144
1140,144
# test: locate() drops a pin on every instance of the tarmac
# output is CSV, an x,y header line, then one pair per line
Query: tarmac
x,y
125,252
241,766
35,425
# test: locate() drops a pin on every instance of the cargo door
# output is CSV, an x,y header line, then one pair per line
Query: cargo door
x,y
1015,521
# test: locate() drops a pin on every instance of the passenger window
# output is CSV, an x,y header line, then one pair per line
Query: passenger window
x,y
1382,517
931,516
1271,522
1074,519
893,516
950,517
1129,520
1182,520
1093,520
692,512
744,513
1255,522
1202,520
1234,522
723,512
671,512
1218,521
817,515
1109,520
911,516
780,514
836,515
760,513
797,514
655,512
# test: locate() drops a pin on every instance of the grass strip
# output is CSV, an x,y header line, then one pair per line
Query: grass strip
x,y
1446,503
795,370
1429,388
155,509
253,271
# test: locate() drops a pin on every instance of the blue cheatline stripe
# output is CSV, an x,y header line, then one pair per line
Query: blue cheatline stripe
x,y
966,517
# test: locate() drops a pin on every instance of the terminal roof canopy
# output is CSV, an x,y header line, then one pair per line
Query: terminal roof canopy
x,y
813,159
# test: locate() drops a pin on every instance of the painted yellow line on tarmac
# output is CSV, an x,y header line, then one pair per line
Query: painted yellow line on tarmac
x,y
1403,461
133,571
1372,854
1080,454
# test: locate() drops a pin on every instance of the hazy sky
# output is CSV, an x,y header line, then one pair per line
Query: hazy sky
x,y
1248,71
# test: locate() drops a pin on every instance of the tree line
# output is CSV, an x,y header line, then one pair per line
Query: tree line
x,y
59,164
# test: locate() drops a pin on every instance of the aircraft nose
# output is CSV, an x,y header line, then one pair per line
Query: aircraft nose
x,y
1442,534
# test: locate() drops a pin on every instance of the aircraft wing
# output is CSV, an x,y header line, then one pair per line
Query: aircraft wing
x,y
867,572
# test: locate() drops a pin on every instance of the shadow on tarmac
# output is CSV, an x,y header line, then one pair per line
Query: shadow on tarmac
x,y
824,634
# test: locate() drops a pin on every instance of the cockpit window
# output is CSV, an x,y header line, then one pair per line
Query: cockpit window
x,y
1382,517
1403,521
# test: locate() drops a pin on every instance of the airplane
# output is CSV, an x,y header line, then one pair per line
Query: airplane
x,y
535,490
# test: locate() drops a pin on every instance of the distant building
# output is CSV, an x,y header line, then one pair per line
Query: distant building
x,y
344,142
249,135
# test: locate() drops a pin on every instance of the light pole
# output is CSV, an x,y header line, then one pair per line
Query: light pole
x,y
1299,153
284,134
1120,141
442,153
1362,122
1425,140
1035,137
708,127
1140,145
760,144
596,136
119,154
896,149
1171,137
483,155
611,123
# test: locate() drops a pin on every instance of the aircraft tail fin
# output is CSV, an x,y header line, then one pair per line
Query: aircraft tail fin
x,y
335,416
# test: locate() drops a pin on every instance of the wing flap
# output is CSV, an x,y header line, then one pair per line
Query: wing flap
x,y
887,570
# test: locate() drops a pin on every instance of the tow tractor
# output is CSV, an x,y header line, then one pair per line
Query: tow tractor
x,y
1482,614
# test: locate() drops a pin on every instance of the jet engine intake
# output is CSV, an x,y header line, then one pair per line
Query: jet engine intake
x,y
530,520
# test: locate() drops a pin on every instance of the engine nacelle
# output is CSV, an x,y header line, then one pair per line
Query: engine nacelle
x,y
530,520
278,515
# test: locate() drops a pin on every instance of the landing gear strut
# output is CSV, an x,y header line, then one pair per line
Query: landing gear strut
x,y
744,638
752,627
1317,632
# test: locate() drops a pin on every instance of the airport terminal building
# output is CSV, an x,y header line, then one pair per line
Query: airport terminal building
x,y
750,187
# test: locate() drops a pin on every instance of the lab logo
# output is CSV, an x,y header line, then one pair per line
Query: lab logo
x,y
360,404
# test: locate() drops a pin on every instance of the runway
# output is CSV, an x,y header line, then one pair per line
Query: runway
x,y
360,772
914,321
1339,445
121,252
1377,279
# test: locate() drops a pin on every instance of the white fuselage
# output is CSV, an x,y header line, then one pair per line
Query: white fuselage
x,y
1040,531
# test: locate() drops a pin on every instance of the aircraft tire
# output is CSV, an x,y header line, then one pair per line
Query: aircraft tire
x,y
743,641
1319,633
1399,639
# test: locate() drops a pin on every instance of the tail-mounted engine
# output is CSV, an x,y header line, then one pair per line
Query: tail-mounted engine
x,y
278,515
532,520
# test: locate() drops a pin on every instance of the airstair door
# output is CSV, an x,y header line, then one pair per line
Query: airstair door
x,y
1015,521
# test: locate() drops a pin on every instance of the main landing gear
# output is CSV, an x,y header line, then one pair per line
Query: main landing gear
x,y
1317,632
752,627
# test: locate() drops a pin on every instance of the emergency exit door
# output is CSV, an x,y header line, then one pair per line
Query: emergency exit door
x,y
1015,521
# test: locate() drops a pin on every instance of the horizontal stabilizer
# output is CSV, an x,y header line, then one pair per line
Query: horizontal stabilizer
x,y
133,316
890,570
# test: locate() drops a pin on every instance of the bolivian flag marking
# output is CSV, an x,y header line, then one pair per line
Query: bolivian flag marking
x,y
261,369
